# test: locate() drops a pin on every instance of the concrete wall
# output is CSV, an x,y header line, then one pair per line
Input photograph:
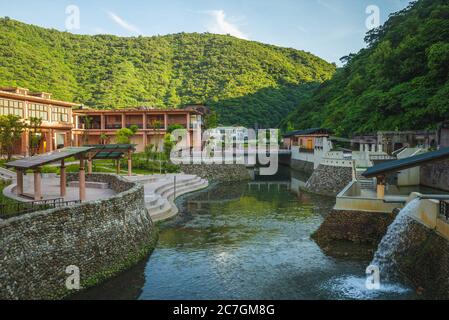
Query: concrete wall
x,y
301,165
102,238
217,172
329,180
436,175
350,199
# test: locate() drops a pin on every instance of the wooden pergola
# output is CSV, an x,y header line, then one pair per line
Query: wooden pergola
x,y
110,152
35,163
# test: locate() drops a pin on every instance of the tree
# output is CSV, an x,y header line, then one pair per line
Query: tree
x,y
103,138
11,128
211,120
123,136
174,127
150,152
87,120
35,137
168,145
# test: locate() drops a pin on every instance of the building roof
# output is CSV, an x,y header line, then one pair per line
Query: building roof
x,y
43,159
306,132
406,163
24,95
109,151
133,110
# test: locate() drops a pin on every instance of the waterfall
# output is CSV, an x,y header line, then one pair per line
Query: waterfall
x,y
393,240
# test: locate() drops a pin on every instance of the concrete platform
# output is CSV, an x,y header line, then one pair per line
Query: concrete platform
x,y
51,190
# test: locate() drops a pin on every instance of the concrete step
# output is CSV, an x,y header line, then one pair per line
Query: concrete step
x,y
6,174
163,190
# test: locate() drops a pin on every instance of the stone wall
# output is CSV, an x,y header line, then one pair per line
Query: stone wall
x,y
217,172
301,165
352,227
436,175
329,180
102,238
423,258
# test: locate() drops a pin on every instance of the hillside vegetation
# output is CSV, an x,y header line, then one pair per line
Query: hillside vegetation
x,y
247,82
399,82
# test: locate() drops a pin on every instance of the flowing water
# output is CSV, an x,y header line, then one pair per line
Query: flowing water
x,y
241,241
384,258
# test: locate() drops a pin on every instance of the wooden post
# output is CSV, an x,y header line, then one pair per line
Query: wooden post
x,y
123,121
19,189
89,166
63,179
82,179
37,185
118,166
381,187
130,164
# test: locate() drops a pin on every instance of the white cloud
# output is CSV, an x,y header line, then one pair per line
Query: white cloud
x,y
122,23
223,26
328,6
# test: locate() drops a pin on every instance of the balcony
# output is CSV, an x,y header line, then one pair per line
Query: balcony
x,y
152,126
113,126
138,125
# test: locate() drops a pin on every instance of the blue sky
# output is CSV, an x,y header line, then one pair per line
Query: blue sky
x,y
327,28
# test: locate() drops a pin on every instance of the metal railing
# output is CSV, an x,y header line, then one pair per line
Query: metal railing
x,y
19,208
444,209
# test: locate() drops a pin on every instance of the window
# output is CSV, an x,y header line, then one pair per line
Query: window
x,y
39,111
60,114
12,107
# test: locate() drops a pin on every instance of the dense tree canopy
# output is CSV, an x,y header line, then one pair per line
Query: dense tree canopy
x,y
246,82
399,82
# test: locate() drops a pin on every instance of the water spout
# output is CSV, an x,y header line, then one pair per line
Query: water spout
x,y
393,240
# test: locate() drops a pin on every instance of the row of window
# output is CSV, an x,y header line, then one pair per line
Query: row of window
x,y
35,110
11,107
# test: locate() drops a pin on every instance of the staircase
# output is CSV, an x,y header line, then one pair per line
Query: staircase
x,y
160,193
365,183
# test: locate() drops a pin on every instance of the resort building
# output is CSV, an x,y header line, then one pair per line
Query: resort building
x,y
392,142
100,126
57,121
308,147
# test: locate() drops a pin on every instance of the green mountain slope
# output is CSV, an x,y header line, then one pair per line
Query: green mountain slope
x,y
399,82
246,82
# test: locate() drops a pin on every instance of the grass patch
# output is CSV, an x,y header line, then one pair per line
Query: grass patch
x,y
8,212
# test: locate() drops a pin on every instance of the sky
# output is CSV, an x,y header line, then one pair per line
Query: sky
x,y
329,29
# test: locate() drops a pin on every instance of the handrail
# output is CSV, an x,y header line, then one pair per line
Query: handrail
x,y
19,208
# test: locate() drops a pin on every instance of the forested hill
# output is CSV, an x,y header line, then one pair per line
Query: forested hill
x,y
246,82
399,82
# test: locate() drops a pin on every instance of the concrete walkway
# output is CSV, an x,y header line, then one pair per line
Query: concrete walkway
x,y
51,190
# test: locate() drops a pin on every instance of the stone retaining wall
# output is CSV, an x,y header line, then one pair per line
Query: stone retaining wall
x,y
423,258
329,180
101,238
353,227
217,172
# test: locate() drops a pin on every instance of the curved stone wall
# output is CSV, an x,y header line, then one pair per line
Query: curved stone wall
x,y
101,238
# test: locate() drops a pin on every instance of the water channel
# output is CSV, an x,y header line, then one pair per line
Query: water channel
x,y
247,241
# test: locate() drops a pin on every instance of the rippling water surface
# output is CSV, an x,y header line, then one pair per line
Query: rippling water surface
x,y
236,241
